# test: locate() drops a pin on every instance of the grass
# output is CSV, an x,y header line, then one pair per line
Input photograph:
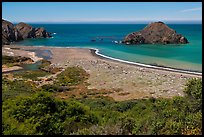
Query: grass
x,y
12,89
31,74
44,63
12,61
71,76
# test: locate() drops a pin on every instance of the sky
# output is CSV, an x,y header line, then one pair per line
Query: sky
x,y
101,12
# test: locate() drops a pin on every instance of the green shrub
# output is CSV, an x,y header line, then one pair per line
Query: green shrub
x,y
54,88
12,89
43,114
194,88
13,60
31,74
46,115
71,76
123,106
44,63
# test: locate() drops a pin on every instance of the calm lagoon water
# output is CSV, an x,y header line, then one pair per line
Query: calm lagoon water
x,y
187,56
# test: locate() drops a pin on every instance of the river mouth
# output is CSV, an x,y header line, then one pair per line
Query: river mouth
x,y
34,66
45,54
26,67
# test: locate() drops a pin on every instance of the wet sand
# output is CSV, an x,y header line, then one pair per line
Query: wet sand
x,y
128,81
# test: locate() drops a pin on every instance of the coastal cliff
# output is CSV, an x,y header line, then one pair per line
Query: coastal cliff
x,y
21,31
155,33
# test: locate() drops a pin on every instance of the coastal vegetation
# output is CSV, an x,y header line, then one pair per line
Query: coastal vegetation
x,y
14,60
31,74
32,110
71,76
102,73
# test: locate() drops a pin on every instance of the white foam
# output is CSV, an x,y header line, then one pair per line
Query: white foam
x,y
145,65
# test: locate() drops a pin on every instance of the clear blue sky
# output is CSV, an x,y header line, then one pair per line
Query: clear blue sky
x,y
102,12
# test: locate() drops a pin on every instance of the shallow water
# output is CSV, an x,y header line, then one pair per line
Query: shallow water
x,y
34,66
186,56
45,54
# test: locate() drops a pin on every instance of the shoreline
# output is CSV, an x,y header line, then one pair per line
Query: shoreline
x,y
95,52
124,80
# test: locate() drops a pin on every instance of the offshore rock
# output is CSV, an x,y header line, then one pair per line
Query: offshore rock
x,y
155,33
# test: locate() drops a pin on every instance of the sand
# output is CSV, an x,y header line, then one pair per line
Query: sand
x,y
7,50
6,69
127,81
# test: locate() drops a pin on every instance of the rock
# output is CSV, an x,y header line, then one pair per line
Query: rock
x,y
21,31
8,30
9,33
28,31
25,30
155,33
41,33
5,40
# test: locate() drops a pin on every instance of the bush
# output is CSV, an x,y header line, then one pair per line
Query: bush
x,y
54,88
46,115
12,89
11,61
31,74
71,76
42,114
194,89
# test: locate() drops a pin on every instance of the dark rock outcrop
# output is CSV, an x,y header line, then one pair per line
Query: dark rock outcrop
x,y
41,32
28,31
155,33
25,30
9,33
21,31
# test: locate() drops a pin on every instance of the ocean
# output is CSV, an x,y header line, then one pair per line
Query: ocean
x,y
103,37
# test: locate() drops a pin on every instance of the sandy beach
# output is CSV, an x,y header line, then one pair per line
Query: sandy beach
x,y
126,80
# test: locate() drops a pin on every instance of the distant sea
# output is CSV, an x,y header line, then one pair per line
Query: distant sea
x,y
102,37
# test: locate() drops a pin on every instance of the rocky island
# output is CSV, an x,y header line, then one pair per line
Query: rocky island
x,y
155,33
21,31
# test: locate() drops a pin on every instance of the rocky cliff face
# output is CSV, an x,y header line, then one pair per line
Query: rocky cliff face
x,y
41,32
9,33
21,31
27,31
155,33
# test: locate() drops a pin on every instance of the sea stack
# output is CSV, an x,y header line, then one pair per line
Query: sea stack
x,y
21,31
155,33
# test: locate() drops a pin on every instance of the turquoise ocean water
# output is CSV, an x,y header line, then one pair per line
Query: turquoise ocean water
x,y
187,56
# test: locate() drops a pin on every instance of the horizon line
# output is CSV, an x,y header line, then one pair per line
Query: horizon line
x,y
112,22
